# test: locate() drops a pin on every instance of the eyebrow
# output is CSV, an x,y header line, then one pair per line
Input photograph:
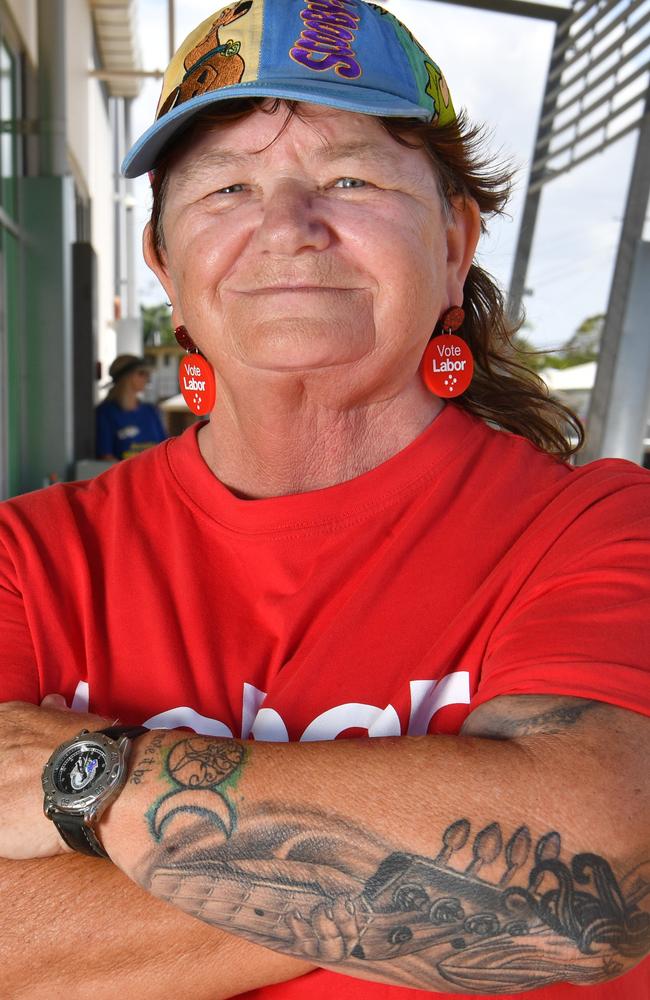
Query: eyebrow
x,y
208,160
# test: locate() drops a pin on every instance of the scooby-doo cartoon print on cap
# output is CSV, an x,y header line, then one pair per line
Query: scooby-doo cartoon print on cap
x,y
344,54
211,63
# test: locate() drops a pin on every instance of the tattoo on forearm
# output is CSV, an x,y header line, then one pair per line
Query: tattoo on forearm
x,y
489,913
152,759
552,722
201,772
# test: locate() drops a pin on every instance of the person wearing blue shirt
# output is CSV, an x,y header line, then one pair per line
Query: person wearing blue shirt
x,y
125,426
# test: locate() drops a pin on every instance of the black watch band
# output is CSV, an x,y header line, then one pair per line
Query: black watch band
x,y
116,732
73,830
78,836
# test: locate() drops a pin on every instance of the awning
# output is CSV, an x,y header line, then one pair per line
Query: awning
x,y
117,42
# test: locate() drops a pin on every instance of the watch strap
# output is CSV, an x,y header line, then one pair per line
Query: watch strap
x,y
116,732
78,836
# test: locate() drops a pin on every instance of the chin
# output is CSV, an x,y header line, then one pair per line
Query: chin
x,y
295,350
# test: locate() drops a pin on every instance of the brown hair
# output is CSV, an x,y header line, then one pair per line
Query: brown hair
x,y
503,390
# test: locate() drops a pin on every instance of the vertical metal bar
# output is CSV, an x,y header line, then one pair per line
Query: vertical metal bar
x,y
531,204
601,410
129,220
53,154
171,27
625,429
116,126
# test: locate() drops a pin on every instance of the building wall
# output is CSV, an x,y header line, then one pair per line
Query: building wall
x,y
90,147
24,13
39,373
100,180
79,60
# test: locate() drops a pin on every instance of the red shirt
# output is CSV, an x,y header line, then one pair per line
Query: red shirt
x,y
468,566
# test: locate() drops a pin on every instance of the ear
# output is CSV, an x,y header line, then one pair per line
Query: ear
x,y
156,260
463,234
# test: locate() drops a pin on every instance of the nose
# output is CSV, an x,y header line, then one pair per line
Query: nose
x,y
291,222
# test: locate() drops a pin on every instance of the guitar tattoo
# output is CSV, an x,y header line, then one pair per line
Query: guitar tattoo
x,y
329,892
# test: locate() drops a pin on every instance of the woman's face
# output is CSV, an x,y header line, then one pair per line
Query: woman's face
x,y
140,379
320,252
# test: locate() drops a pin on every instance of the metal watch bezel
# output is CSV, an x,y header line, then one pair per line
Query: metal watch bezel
x,y
88,804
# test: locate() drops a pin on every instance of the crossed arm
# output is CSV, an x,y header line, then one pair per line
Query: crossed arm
x,y
74,927
507,858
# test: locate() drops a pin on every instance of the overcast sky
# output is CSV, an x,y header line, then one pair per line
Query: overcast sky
x,y
495,65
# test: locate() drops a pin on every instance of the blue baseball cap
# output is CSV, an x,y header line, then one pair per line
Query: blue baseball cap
x,y
345,54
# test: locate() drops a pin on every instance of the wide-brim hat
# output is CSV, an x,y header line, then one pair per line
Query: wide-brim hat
x,y
123,364
344,54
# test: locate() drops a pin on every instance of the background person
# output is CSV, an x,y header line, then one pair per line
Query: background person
x,y
339,552
124,424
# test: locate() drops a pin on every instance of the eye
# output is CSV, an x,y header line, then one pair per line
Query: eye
x,y
349,182
230,189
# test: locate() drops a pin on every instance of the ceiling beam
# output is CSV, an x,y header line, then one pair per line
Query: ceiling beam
x,y
520,8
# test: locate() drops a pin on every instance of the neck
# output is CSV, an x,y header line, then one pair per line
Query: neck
x,y
271,447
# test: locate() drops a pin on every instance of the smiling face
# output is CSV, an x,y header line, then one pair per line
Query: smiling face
x,y
322,250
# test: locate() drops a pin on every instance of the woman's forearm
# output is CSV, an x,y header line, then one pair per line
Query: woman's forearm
x,y
74,927
481,865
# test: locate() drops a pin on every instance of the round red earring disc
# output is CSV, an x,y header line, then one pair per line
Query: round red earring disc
x,y
447,366
197,384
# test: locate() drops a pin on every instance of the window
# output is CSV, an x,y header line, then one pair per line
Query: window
x,y
9,147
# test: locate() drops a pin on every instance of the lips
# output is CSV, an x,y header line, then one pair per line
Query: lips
x,y
270,290
288,287
312,278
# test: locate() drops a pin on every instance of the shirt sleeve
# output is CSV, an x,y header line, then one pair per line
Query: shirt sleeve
x,y
580,625
18,674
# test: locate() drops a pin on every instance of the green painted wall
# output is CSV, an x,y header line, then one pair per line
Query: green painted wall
x,y
14,319
40,336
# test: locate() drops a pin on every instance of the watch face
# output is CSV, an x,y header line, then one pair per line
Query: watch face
x,y
84,775
80,769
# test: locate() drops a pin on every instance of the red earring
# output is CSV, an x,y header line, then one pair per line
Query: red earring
x,y
447,364
195,376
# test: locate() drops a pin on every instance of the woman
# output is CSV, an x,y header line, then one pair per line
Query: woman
x,y
346,549
124,425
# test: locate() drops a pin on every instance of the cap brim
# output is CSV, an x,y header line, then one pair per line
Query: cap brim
x,y
144,153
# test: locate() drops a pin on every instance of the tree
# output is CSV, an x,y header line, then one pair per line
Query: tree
x,y
527,354
581,347
157,325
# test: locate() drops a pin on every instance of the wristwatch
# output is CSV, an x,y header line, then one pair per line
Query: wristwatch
x,y
80,780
